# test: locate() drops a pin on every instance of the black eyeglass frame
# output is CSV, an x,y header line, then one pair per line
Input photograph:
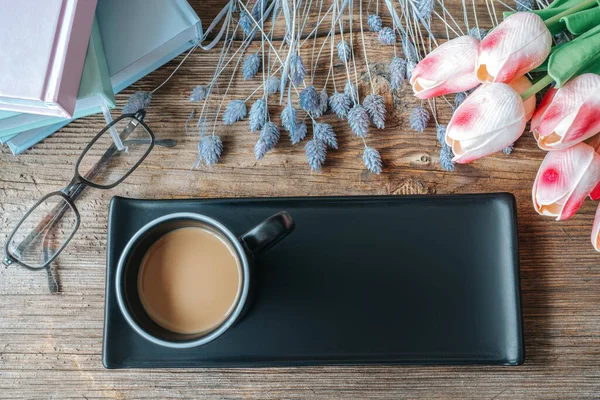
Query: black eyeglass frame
x,y
72,191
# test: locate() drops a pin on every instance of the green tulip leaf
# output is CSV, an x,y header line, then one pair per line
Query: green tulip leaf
x,y
576,57
582,21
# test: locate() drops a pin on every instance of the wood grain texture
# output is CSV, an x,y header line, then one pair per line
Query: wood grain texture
x,y
50,346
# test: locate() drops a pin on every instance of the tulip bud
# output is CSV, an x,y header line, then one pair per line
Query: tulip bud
x,y
568,115
564,180
450,68
516,46
490,119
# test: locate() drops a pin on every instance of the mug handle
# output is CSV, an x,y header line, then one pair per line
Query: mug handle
x,y
268,233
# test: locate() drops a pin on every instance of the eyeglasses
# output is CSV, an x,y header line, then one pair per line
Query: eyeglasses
x,y
46,229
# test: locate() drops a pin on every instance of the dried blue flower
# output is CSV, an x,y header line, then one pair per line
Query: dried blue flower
x,y
198,93
397,72
343,50
260,149
446,156
289,117
524,5
137,101
297,70
323,103
419,118
316,153
409,69
258,10
258,115
270,135
459,99
375,107
340,104
478,33
324,133
298,133
210,148
372,160
410,52
424,8
508,149
441,134
387,36
236,110
359,120
272,85
251,66
351,91
561,38
309,99
246,23
374,22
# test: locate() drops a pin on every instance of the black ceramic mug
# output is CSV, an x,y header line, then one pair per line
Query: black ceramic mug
x,y
247,248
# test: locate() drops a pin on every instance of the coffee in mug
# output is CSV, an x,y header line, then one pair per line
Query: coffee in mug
x,y
189,280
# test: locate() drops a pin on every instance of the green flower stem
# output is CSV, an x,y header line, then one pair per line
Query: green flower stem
x,y
539,85
584,5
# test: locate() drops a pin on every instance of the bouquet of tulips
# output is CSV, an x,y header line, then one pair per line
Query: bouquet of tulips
x,y
502,98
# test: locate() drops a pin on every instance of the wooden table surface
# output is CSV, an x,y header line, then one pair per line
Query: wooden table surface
x,y
50,345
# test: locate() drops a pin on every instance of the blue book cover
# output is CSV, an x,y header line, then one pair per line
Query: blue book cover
x,y
138,36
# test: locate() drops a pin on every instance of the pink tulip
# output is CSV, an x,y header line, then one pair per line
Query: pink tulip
x,y
490,119
450,68
568,115
596,230
564,180
516,46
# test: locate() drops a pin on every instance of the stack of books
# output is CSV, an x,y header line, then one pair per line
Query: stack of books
x,y
66,59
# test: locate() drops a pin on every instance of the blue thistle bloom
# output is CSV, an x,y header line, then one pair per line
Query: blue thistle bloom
x,y
410,52
409,69
297,70
375,107
323,103
358,120
258,115
508,149
270,135
397,72
260,149
251,66
419,118
340,104
235,110
246,23
351,91
561,38
446,156
387,36
524,5
324,133
374,22
343,51
372,160
289,117
459,99
258,10
137,101
316,153
198,93
298,133
210,148
478,33
441,134
272,85
424,8
309,99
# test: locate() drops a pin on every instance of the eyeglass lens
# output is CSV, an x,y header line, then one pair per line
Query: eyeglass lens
x,y
103,164
44,232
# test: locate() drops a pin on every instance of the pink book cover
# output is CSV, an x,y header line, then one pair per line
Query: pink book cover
x,y
42,50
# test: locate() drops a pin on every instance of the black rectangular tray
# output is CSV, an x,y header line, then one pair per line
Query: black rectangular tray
x,y
362,280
